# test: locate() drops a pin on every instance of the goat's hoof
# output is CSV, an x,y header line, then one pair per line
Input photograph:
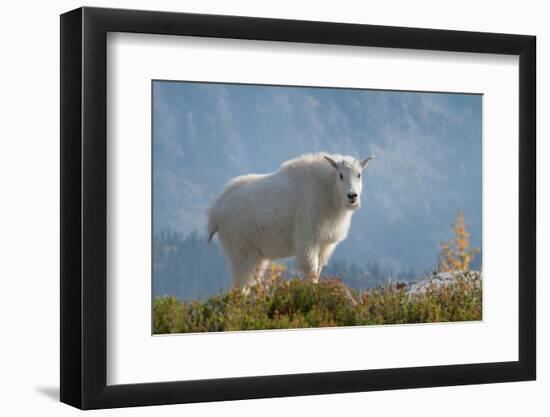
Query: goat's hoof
x,y
314,278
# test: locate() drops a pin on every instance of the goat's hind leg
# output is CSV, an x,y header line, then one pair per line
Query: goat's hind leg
x,y
247,269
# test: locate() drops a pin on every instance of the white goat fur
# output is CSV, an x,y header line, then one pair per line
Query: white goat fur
x,y
300,210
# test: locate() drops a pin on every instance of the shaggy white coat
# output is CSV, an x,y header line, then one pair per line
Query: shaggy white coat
x,y
304,210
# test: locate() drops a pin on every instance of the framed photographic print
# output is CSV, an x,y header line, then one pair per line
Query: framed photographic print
x,y
258,207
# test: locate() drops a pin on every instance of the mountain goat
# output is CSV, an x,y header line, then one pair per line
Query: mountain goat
x,y
304,210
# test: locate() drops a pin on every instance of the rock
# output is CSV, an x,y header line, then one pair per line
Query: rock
x,y
440,279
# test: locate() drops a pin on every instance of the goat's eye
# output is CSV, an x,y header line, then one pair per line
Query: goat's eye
x,y
358,175
341,177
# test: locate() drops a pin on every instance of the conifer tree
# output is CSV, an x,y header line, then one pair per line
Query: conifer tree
x,y
455,254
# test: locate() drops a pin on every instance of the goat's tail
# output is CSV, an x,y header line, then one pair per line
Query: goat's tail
x,y
212,227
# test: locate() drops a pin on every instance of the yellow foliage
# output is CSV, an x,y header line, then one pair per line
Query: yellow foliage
x,y
275,270
455,254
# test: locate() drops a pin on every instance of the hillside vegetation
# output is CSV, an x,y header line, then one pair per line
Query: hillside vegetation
x,y
454,293
279,303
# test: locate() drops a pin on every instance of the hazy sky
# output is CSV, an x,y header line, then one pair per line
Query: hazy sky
x,y
428,149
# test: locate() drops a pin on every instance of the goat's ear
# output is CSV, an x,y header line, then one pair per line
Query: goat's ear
x,y
332,162
365,162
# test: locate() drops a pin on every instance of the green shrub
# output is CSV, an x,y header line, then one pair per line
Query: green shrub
x,y
283,304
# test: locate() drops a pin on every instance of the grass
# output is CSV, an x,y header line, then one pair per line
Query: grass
x,y
282,304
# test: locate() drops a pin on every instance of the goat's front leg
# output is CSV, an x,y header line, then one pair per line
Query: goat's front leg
x,y
325,253
307,261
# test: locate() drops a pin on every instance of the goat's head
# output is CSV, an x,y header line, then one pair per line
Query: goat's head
x,y
349,180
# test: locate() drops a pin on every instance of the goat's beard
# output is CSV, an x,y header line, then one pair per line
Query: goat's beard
x,y
353,206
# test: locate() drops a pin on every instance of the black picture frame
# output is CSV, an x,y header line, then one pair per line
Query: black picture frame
x,y
84,207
